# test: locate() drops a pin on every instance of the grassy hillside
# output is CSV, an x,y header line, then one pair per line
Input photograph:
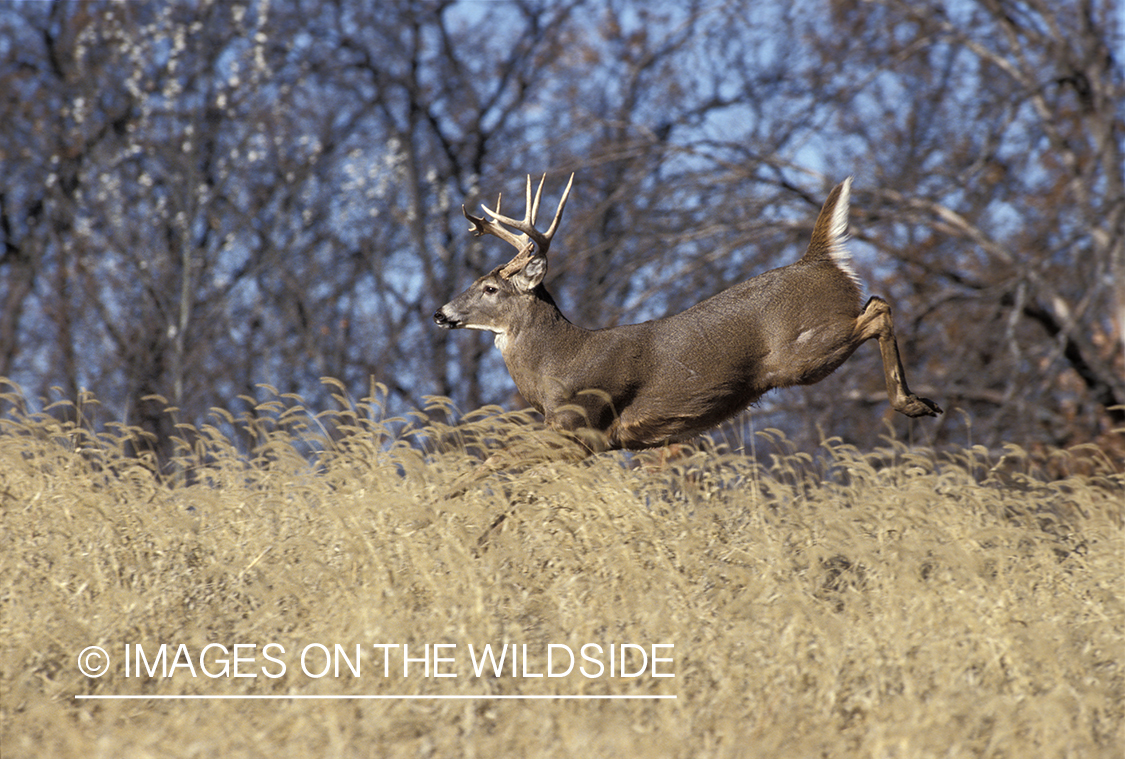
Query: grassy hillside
x,y
894,603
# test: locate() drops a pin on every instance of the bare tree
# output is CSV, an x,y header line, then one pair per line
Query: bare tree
x,y
201,198
999,182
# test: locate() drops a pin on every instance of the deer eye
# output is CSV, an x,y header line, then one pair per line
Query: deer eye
x,y
491,289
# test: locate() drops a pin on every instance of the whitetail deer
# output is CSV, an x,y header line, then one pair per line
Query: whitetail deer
x,y
667,380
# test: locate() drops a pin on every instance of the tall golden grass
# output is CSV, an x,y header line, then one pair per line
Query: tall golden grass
x,y
839,603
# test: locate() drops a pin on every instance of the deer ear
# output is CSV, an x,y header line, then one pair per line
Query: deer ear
x,y
531,274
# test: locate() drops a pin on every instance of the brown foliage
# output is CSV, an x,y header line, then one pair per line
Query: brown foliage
x,y
830,605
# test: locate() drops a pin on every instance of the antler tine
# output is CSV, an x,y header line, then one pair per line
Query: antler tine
x,y
533,207
523,225
550,233
482,226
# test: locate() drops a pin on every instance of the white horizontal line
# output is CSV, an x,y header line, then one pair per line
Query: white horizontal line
x,y
481,697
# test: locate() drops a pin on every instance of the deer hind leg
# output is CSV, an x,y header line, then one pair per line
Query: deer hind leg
x,y
875,322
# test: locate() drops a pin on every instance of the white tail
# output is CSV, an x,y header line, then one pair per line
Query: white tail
x,y
644,385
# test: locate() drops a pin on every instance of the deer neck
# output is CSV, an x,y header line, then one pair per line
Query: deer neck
x,y
538,332
539,344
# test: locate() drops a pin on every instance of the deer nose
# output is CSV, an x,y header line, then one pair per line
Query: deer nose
x,y
443,321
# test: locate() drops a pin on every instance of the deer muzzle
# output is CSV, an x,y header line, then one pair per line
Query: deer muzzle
x,y
446,321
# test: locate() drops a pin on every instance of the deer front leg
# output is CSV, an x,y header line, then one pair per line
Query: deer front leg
x,y
875,322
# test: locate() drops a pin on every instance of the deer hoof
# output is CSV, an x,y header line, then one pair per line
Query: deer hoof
x,y
914,406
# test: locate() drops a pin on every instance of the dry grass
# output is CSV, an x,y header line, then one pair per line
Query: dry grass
x,y
893,604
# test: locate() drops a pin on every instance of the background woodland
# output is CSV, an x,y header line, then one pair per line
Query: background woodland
x,y
198,198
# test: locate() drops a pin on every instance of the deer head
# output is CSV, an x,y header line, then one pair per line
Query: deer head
x,y
490,302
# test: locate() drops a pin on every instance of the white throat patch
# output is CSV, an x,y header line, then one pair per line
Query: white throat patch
x,y
501,338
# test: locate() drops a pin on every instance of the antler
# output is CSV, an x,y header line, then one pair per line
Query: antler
x,y
529,238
